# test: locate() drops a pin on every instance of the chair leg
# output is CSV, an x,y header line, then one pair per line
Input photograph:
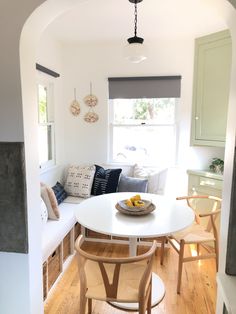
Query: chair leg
x,y
180,267
217,254
162,250
89,306
198,249
83,301
149,305
142,309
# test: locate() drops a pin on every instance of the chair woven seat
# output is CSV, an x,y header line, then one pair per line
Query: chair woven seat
x,y
193,234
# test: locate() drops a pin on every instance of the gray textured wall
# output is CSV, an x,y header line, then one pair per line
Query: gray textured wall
x,y
13,209
231,247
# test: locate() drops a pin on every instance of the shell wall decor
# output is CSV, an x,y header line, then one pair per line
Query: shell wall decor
x,y
91,101
75,106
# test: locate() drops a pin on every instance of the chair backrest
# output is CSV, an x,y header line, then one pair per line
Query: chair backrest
x,y
210,205
111,280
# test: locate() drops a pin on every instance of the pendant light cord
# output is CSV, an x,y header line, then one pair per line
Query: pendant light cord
x,y
135,18
135,39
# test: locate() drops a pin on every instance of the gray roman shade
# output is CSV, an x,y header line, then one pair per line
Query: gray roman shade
x,y
144,87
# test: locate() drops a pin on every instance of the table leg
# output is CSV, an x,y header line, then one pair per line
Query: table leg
x,y
132,246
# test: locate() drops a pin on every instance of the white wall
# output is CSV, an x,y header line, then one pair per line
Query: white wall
x,y
49,54
16,270
86,62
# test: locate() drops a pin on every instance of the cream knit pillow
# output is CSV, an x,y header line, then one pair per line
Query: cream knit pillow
x,y
79,180
149,174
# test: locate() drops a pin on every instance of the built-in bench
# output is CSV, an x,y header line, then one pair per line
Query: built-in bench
x,y
58,237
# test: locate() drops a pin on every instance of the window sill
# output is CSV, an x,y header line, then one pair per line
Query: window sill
x,y
48,169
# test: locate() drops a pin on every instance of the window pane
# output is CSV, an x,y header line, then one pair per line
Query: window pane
x,y
137,111
144,143
42,104
45,143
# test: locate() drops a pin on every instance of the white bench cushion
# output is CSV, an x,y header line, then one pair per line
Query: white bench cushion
x,y
55,230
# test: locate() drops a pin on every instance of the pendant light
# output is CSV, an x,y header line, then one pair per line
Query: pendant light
x,y
135,51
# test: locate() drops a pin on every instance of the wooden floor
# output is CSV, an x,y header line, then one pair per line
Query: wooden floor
x,y
198,293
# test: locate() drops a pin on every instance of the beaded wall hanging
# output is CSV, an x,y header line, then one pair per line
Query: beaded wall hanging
x,y
75,106
91,101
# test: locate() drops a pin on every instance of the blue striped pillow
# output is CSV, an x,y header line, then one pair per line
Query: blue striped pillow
x,y
59,192
105,180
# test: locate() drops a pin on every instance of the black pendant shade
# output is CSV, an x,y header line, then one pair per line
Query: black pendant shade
x,y
135,40
135,51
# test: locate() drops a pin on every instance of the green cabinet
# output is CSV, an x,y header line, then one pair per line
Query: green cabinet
x,y
202,182
211,89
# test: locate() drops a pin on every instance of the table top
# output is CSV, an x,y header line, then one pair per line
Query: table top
x,y
99,214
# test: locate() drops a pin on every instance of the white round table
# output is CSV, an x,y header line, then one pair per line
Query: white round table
x,y
100,214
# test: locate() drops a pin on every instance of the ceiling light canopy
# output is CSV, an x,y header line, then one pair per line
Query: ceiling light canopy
x,y
135,51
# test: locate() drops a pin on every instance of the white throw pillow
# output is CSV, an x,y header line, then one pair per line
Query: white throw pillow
x,y
147,173
79,180
44,212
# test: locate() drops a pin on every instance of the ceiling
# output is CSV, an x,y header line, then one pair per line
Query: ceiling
x,y
106,20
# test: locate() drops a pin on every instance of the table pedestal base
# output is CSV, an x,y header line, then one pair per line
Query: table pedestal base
x,y
158,293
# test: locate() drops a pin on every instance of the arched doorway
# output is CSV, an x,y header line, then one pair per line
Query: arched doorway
x,y
29,294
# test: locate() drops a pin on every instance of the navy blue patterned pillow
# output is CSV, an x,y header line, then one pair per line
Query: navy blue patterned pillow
x,y
105,180
59,192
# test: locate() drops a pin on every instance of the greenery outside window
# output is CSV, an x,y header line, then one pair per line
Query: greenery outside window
x,y
143,130
46,126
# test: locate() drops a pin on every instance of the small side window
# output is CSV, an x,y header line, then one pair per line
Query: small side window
x,y
46,136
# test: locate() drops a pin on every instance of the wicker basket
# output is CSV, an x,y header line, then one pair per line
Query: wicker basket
x,y
54,268
66,247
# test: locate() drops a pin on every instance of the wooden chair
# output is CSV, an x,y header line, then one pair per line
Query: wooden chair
x,y
196,234
115,279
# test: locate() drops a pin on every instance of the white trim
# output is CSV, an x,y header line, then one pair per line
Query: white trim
x,y
51,168
227,288
47,82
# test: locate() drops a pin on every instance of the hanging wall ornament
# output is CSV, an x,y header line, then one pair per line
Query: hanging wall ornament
x,y
91,117
91,101
75,106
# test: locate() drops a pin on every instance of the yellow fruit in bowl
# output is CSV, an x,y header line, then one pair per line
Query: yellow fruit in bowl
x,y
139,203
136,197
129,203
134,201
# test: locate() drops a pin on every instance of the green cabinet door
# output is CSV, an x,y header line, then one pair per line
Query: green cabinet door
x,y
211,89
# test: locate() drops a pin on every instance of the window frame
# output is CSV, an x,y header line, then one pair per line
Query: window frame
x,y
47,82
112,124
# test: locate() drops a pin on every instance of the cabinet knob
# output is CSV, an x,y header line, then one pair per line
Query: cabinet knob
x,y
196,118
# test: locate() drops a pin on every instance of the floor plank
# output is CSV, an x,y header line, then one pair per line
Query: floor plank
x,y
197,296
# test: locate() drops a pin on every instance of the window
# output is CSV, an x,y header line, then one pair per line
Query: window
x,y
143,130
142,119
46,125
